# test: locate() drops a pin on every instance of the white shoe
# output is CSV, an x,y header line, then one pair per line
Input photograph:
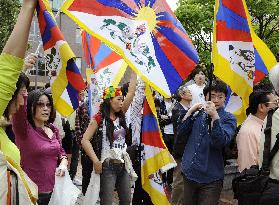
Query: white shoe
x,y
77,182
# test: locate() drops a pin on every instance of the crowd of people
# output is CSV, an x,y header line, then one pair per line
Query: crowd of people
x,y
37,144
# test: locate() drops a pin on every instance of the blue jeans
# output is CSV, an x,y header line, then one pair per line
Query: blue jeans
x,y
114,175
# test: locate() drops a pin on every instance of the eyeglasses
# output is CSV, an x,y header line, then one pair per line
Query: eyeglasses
x,y
41,105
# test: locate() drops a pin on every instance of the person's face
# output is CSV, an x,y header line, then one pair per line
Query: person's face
x,y
82,95
273,102
218,98
199,78
116,103
43,109
186,94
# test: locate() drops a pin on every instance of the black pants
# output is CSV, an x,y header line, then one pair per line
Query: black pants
x,y
169,140
44,198
75,158
87,168
201,194
270,195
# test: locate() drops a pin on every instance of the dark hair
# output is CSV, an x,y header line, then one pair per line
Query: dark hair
x,y
157,102
47,85
217,86
257,97
22,81
124,89
33,98
197,70
105,112
264,86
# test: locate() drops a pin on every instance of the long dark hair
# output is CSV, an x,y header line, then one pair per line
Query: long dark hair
x,y
32,100
105,112
23,81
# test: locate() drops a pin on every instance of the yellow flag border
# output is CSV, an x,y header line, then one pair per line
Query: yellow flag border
x,y
117,49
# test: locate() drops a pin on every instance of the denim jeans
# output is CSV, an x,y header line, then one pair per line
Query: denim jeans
x,y
114,175
87,168
201,194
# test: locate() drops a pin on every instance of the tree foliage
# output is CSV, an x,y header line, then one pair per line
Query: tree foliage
x,y
8,12
197,17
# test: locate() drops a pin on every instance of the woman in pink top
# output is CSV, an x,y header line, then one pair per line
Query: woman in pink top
x,y
39,143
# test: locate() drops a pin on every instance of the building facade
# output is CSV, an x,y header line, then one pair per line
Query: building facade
x,y
72,34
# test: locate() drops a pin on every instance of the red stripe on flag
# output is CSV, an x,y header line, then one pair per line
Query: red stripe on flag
x,y
85,48
94,46
75,80
152,138
42,22
180,61
95,8
146,108
56,36
236,6
258,76
169,24
111,58
226,34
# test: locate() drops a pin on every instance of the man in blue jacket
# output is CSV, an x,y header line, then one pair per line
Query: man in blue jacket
x,y
202,161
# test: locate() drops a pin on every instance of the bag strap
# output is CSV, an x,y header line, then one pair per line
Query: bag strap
x,y
275,148
267,154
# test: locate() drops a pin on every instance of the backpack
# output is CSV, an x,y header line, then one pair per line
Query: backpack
x,y
250,184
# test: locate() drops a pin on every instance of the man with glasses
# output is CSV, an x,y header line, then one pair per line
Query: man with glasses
x,y
248,137
270,195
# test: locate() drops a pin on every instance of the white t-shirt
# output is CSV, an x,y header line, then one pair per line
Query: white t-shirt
x,y
118,146
197,93
168,129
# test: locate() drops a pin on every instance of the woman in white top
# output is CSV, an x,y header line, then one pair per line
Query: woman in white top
x,y
108,131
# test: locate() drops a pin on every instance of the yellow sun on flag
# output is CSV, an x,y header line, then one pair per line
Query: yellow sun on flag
x,y
148,14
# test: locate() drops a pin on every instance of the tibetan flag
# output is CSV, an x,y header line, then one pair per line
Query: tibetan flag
x,y
155,155
146,34
240,58
66,80
105,68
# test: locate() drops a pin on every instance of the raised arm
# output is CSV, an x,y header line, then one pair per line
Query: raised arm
x,y
17,42
11,58
131,92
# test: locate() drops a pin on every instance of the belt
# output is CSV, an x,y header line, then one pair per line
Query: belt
x,y
115,161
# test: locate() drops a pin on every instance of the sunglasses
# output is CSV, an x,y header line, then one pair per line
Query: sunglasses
x,y
42,105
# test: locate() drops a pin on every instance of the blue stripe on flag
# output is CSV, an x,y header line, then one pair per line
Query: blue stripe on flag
x,y
118,5
149,3
138,3
71,66
259,64
88,37
102,53
50,23
233,20
180,42
73,95
165,16
172,77
149,123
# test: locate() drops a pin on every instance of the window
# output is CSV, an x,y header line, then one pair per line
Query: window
x,y
78,62
78,36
